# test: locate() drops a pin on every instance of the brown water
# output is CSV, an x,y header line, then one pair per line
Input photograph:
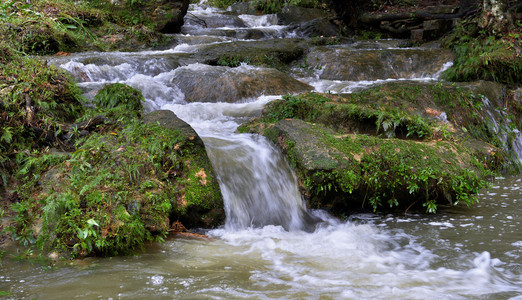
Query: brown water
x,y
460,253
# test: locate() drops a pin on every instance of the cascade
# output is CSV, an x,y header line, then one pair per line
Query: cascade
x,y
272,246
258,186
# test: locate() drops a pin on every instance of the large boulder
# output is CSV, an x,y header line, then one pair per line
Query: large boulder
x,y
200,203
295,15
125,185
167,14
321,27
204,83
214,20
406,145
273,52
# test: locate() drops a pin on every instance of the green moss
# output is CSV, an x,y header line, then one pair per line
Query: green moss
x,y
36,100
393,120
402,110
47,27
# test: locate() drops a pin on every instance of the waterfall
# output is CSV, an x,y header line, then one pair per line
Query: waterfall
x,y
257,184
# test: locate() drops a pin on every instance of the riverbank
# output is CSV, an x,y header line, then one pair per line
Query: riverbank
x,y
92,177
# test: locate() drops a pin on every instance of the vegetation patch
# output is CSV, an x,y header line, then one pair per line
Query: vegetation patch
x,y
267,53
36,100
482,55
122,100
123,188
46,27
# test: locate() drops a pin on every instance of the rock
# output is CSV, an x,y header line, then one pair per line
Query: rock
x,y
235,33
418,35
200,203
295,15
432,29
441,9
214,20
494,91
140,178
312,154
374,148
166,15
375,64
279,51
203,83
168,119
243,8
321,27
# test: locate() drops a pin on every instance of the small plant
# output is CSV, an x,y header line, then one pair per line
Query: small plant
x,y
126,100
86,236
21,230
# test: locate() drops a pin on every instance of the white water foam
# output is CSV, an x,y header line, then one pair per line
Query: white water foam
x,y
259,21
347,87
358,262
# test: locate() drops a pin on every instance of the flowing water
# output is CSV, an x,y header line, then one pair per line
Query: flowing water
x,y
271,246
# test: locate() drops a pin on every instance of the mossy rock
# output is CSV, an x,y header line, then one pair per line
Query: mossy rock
x,y
402,144
124,187
271,53
484,56
204,83
346,172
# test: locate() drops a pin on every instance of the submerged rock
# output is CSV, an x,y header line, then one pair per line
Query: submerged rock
x,y
203,83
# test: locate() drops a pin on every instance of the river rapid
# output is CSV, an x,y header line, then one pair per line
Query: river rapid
x,y
271,246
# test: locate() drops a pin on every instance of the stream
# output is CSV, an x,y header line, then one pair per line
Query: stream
x,y
272,246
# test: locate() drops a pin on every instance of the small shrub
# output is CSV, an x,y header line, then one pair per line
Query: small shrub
x,y
121,98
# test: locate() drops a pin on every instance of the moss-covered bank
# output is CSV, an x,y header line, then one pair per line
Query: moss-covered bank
x,y
396,145
119,182
48,27
87,181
